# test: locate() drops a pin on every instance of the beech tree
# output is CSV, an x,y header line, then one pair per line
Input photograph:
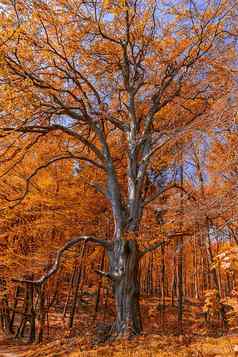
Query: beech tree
x,y
120,84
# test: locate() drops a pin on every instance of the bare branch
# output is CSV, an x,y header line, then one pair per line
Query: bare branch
x,y
44,166
165,242
103,273
46,129
59,254
152,247
157,194
120,125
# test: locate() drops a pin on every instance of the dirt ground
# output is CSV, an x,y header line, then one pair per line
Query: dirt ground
x,y
159,338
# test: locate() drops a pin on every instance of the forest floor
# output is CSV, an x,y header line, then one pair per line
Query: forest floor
x,y
158,339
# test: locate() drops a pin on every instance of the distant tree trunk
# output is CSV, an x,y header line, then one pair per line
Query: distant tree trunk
x,y
15,302
5,314
70,290
207,225
228,285
42,314
148,278
180,261
99,285
151,290
180,285
211,259
174,280
195,292
158,285
77,283
32,314
162,305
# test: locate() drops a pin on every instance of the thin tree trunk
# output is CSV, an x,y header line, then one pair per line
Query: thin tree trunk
x,y
70,290
42,314
77,283
180,286
180,261
211,260
162,305
99,285
195,269
174,280
16,298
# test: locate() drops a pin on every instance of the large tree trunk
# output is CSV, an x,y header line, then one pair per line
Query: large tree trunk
x,y
124,259
124,263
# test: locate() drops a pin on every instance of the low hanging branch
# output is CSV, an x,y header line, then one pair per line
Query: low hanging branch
x,y
106,244
68,156
56,264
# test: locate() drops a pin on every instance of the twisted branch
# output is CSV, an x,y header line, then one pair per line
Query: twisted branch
x,y
56,264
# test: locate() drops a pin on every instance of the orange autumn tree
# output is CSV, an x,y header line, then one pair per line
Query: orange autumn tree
x,y
121,83
50,213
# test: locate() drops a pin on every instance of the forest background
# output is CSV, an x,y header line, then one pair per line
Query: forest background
x,y
118,190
